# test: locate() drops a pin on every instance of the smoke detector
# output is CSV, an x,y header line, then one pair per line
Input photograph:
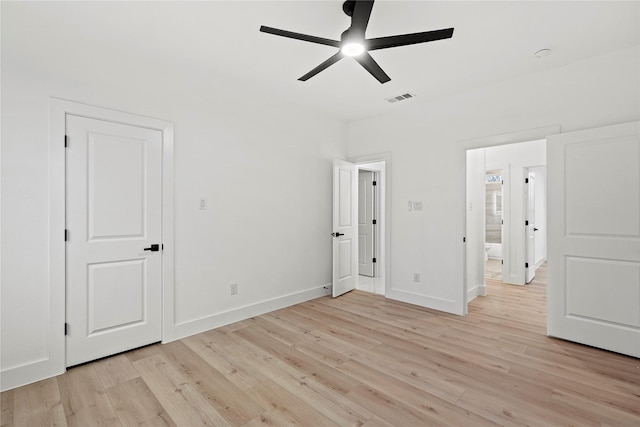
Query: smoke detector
x,y
542,53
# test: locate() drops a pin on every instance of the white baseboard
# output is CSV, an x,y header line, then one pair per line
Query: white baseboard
x,y
439,304
476,291
30,373
196,326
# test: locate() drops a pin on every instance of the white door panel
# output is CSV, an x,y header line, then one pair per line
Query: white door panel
x,y
366,210
530,217
594,232
345,240
114,211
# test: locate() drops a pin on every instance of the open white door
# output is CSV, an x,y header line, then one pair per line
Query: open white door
x,y
594,237
345,227
530,226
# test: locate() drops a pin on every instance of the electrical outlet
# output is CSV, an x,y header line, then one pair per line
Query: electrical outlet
x,y
233,289
416,277
410,205
203,204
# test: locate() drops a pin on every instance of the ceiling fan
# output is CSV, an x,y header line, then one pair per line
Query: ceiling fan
x,y
353,42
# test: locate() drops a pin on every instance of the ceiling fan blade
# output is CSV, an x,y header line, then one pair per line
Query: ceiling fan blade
x,y
360,17
326,64
298,36
407,39
372,67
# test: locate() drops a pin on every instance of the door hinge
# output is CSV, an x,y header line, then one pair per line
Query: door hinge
x,y
66,139
526,265
374,260
526,180
464,240
66,235
375,222
502,221
502,182
526,222
375,183
66,329
502,261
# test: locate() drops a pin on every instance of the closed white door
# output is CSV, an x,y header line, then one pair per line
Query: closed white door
x,y
345,236
594,237
114,212
530,226
366,226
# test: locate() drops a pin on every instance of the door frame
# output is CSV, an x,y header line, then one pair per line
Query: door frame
x,y
58,110
383,267
476,254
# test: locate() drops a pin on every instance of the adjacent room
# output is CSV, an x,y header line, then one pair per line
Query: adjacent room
x,y
389,213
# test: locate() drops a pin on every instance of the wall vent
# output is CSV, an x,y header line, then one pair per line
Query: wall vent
x,y
400,97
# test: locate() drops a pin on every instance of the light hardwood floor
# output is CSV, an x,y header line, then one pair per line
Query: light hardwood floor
x,y
359,360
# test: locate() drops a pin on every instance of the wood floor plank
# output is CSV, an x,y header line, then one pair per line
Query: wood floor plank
x,y
136,405
36,405
229,400
430,405
222,360
183,403
84,398
6,408
303,363
265,419
115,370
286,408
326,398
390,409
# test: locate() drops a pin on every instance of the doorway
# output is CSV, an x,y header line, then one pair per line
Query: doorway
x,y
110,148
493,224
497,178
380,165
367,228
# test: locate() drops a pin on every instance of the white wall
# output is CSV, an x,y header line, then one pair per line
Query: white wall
x,y
428,142
263,165
475,222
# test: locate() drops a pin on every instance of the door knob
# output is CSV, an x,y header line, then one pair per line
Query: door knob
x,y
337,234
535,229
153,248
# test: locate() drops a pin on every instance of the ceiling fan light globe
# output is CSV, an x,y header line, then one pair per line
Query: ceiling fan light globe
x,y
352,49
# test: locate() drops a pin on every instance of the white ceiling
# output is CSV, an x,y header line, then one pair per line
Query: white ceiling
x,y
492,41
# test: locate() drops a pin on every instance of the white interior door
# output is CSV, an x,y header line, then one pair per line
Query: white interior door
x,y
366,226
594,237
114,212
530,218
345,217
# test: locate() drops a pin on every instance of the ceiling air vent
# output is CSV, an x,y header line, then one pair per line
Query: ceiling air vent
x,y
400,97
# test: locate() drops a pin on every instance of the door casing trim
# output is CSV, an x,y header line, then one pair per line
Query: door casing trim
x,y
59,109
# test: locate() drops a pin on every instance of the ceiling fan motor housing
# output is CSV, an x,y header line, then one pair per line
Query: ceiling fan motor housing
x,y
348,7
